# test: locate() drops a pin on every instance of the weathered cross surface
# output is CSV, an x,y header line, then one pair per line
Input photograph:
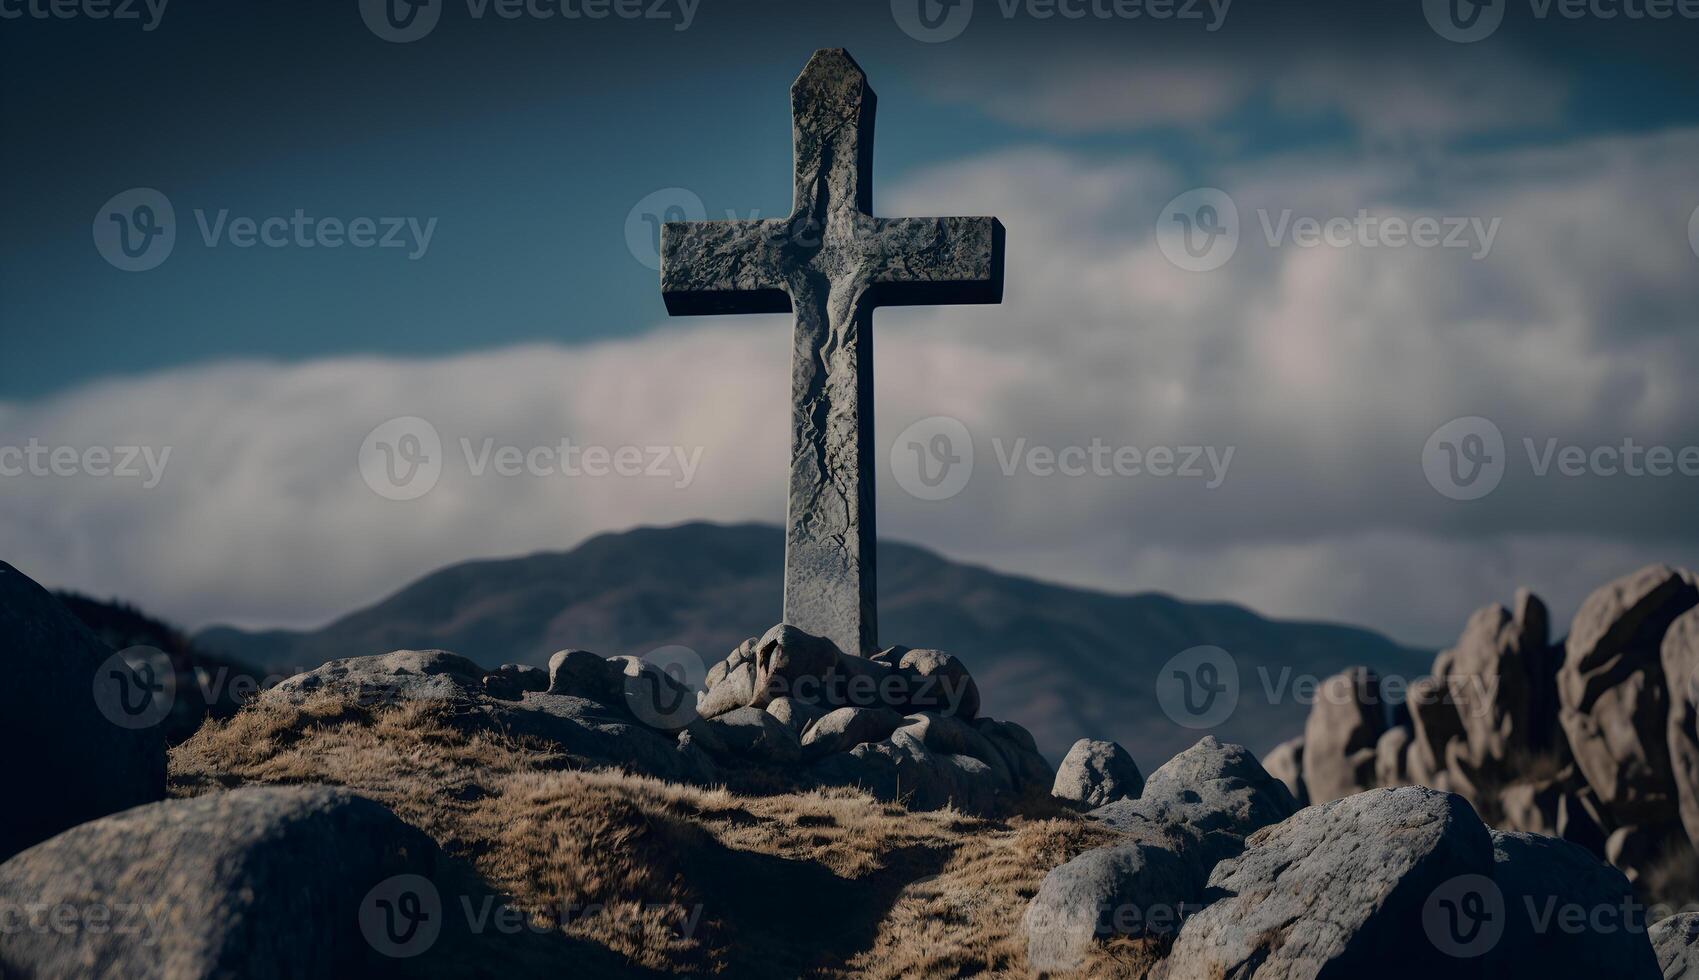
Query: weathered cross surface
x,y
831,262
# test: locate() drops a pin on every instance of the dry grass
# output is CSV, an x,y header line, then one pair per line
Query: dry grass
x,y
628,876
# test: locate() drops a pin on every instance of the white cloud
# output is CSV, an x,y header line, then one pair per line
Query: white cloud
x,y
1325,369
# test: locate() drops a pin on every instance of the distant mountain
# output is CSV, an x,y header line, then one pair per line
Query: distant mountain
x,y
1064,662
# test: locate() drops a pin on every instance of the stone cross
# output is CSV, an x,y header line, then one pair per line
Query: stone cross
x,y
831,262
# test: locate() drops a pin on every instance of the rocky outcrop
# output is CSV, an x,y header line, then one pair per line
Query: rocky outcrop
x,y
1392,757
1195,810
1502,675
82,722
264,883
1095,773
1615,703
1346,720
1679,656
1336,891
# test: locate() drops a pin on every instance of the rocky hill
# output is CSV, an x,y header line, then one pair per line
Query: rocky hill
x,y
1063,662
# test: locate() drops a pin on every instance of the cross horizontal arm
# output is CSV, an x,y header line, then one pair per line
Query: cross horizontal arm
x,y
938,261
710,267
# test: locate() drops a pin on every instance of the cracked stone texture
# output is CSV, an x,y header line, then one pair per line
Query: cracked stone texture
x,y
831,263
1337,890
1680,656
263,882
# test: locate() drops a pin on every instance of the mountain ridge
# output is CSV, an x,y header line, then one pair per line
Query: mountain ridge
x,y
1063,661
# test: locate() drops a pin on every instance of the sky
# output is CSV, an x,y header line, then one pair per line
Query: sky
x,y
1281,280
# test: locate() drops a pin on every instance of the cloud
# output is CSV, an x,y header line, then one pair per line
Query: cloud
x,y
1324,369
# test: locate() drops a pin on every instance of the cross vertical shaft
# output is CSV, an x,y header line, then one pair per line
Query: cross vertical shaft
x,y
830,263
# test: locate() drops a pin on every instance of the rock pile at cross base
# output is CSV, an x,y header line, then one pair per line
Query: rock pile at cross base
x,y
1214,868
1591,739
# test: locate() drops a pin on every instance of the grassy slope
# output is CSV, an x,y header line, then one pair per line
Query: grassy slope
x,y
628,876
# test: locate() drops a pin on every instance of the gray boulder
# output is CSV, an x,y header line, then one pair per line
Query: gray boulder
x,y
792,663
81,724
1020,753
756,736
1096,772
261,882
1566,914
797,715
509,682
736,689
1502,673
1392,755
951,735
1675,942
1337,891
1136,888
845,728
1346,720
936,682
1615,704
1435,724
902,769
1197,809
1680,658
1285,762
599,731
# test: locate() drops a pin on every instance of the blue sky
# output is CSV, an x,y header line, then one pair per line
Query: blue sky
x,y
530,143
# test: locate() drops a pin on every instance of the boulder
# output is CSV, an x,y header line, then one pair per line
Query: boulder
x,y
1136,888
256,882
1615,705
509,682
600,731
792,663
1434,722
1531,807
753,735
1096,772
81,724
1502,678
1195,810
845,728
1336,891
1346,720
1679,656
936,682
797,715
951,735
1032,773
736,689
1675,942
1392,754
1285,762
1566,914
902,769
